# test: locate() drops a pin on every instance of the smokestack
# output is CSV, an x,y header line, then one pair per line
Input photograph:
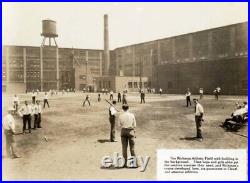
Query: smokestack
x,y
106,46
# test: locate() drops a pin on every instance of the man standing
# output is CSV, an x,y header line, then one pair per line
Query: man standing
x,y
99,97
36,117
9,131
111,95
86,100
201,93
33,97
15,102
26,112
160,91
39,120
199,111
127,122
124,98
188,97
45,101
112,112
119,96
142,97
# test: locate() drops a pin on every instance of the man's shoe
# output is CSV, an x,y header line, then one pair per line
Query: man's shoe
x,y
113,141
200,139
15,156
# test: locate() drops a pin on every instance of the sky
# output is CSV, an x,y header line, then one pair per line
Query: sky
x,y
80,25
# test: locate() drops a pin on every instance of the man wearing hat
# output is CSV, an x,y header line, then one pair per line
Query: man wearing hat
x,y
142,97
9,131
199,111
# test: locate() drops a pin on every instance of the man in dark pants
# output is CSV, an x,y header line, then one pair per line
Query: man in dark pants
x,y
9,131
33,97
142,97
119,96
111,95
188,97
199,111
124,98
39,120
127,122
86,100
112,112
45,101
26,112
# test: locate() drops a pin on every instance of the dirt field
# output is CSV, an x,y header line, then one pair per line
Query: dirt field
x,y
78,136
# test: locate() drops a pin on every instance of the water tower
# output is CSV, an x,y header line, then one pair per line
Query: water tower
x,y
49,31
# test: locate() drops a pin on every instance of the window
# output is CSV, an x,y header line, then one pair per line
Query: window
x,y
130,85
135,85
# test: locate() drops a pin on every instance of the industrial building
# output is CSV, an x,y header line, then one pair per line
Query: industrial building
x,y
207,59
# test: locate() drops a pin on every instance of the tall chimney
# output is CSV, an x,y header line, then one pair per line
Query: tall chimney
x,y
106,46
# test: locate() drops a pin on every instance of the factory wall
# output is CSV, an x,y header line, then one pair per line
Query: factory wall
x,y
218,44
22,66
229,74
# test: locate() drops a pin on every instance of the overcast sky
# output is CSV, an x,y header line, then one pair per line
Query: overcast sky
x,y
80,25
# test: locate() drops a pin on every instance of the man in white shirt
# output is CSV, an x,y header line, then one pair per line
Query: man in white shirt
x,y
35,111
15,102
188,97
9,131
26,112
201,93
160,91
46,100
127,122
111,95
112,113
199,111
33,97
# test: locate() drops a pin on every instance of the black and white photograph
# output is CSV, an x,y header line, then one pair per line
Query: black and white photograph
x,y
125,91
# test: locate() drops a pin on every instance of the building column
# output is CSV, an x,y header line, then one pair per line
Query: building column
x,y
232,41
100,57
7,68
41,66
57,68
173,50
133,60
210,47
24,67
158,52
190,47
86,67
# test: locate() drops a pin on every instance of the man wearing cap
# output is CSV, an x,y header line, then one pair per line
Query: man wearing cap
x,y
26,112
111,95
199,111
9,131
112,113
127,123
86,100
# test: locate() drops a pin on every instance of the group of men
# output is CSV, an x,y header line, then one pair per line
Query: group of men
x,y
28,113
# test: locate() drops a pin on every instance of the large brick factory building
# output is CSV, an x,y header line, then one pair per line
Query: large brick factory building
x,y
207,59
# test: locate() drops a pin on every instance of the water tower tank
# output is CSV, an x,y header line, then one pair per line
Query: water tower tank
x,y
49,28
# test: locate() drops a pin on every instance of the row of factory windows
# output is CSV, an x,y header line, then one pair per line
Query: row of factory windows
x,y
137,84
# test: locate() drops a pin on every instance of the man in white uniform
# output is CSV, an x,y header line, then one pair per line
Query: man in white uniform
x,y
199,111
